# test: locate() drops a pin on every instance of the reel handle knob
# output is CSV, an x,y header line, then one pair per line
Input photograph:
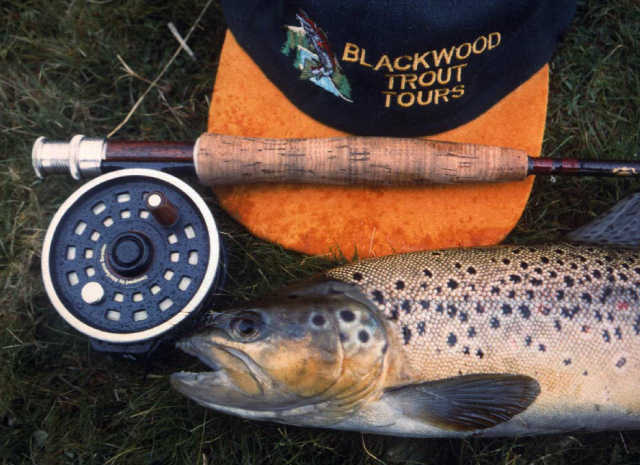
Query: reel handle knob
x,y
162,209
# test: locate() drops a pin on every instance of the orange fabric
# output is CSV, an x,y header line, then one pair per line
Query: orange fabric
x,y
370,222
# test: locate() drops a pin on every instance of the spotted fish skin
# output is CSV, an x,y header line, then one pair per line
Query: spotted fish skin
x,y
567,316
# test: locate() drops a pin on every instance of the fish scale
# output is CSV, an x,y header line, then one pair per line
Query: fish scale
x,y
569,316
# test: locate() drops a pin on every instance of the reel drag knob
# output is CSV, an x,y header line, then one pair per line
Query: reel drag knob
x,y
130,256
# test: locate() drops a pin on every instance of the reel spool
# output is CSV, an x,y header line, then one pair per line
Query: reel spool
x,y
129,257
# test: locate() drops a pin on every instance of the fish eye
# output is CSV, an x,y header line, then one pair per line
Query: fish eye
x,y
246,327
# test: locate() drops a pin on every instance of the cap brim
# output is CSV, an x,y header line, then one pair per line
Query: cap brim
x,y
371,221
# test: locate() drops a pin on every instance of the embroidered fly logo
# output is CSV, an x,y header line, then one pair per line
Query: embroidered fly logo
x,y
314,57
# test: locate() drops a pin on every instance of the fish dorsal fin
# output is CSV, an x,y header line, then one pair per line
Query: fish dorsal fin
x,y
619,226
466,403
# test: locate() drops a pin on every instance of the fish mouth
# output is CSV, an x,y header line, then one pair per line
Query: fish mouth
x,y
205,352
234,379
186,380
237,385
183,381
190,347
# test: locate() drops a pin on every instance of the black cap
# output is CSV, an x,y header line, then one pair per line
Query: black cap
x,y
399,68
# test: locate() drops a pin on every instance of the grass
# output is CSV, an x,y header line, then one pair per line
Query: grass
x,y
60,75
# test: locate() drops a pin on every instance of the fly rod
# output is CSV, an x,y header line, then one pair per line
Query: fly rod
x,y
222,159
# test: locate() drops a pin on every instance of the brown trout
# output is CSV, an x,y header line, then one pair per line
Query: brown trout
x,y
498,341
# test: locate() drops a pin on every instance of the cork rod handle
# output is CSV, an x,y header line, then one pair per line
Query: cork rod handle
x,y
221,159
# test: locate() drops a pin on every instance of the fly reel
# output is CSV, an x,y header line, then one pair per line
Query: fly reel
x,y
129,257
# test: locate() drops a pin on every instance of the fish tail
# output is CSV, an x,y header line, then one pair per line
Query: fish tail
x,y
619,226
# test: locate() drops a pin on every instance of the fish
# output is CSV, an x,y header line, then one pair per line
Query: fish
x,y
491,341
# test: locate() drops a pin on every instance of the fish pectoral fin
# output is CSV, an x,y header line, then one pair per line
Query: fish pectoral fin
x,y
466,403
619,226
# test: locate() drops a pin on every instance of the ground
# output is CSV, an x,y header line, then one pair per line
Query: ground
x,y
71,67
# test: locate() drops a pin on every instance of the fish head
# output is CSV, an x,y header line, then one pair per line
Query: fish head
x,y
308,356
